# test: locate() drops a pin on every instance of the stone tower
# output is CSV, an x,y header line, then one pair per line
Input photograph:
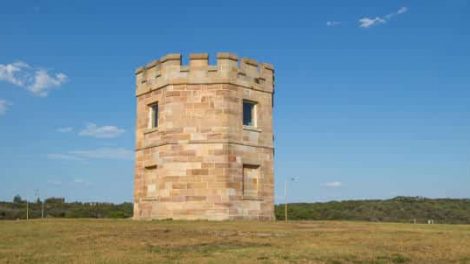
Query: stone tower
x,y
204,139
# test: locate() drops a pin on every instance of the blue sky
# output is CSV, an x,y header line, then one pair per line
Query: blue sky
x,y
372,97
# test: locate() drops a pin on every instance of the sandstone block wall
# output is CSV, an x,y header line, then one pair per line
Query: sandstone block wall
x,y
201,162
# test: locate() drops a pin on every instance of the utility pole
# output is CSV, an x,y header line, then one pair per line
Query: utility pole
x,y
36,192
285,202
285,196
27,209
38,200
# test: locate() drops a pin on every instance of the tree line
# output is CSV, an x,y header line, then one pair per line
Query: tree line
x,y
54,207
398,209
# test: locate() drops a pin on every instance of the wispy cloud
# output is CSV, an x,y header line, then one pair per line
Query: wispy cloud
x,y
75,181
44,82
80,181
333,184
402,10
332,23
4,106
37,80
14,73
55,182
367,22
93,130
105,153
64,129
99,153
62,156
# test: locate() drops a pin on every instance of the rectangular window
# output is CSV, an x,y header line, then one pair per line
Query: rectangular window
x,y
249,113
251,178
153,115
150,182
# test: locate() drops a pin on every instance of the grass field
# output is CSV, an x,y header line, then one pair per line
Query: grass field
x,y
127,241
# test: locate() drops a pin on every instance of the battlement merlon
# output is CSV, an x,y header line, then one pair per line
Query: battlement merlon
x,y
229,69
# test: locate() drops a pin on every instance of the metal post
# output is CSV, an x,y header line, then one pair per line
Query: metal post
x,y
285,205
36,192
27,210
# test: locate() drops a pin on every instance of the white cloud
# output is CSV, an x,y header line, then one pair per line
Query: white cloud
x,y
78,180
36,80
4,106
332,23
367,22
92,130
105,153
99,153
81,181
54,182
62,156
44,82
333,184
402,10
14,73
64,129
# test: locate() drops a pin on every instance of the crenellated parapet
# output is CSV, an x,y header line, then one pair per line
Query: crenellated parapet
x,y
169,70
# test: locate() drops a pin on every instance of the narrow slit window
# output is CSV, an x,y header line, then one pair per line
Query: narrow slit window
x,y
251,181
153,115
150,182
249,118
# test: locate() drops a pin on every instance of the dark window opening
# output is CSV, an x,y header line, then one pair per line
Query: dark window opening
x,y
153,116
248,113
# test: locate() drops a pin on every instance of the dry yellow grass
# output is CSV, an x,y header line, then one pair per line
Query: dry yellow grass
x,y
127,241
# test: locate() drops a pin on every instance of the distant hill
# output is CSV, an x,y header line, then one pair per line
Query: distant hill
x,y
398,209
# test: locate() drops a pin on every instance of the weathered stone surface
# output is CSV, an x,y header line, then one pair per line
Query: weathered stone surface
x,y
200,160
